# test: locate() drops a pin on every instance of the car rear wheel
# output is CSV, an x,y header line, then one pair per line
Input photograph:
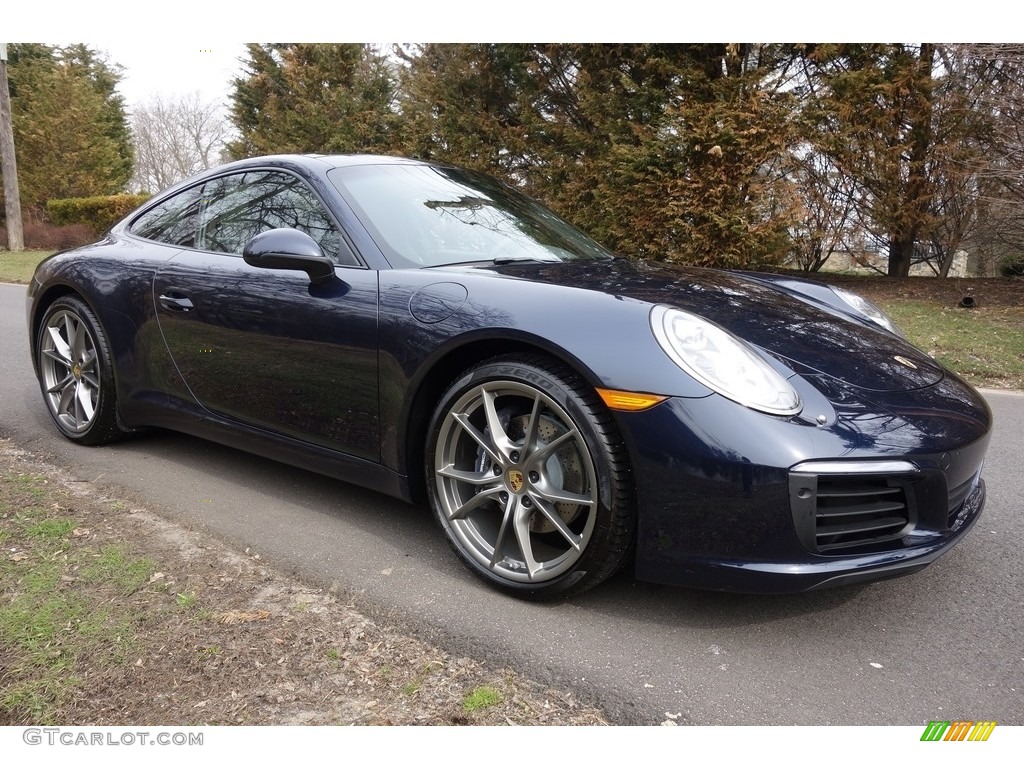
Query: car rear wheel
x,y
529,479
75,373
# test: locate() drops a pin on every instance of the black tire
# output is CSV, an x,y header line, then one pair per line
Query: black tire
x,y
75,373
529,479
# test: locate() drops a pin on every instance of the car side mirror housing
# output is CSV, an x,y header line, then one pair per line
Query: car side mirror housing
x,y
289,249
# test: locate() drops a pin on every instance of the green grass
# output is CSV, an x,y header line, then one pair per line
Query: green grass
x,y
985,346
59,608
412,687
481,698
113,566
17,267
46,628
34,485
53,529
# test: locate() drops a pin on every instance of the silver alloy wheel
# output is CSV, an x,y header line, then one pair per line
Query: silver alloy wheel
x,y
515,481
70,369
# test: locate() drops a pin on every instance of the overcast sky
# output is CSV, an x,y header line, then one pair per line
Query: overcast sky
x,y
169,68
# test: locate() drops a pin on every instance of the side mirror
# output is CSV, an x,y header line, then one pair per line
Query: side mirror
x,y
288,249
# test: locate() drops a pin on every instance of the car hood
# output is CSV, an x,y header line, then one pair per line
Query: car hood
x,y
810,338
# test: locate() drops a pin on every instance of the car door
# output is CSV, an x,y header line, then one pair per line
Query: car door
x,y
266,347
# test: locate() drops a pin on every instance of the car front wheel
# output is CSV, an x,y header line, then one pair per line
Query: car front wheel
x,y
529,479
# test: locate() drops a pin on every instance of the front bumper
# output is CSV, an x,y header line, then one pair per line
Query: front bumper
x,y
809,572
730,499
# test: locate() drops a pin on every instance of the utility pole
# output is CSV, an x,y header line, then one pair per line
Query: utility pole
x,y
8,163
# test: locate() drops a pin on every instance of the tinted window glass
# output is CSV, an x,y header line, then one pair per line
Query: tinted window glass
x,y
174,221
237,208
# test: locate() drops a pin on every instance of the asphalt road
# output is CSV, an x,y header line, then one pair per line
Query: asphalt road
x,y
946,643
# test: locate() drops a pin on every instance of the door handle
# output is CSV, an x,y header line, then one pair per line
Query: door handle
x,y
176,302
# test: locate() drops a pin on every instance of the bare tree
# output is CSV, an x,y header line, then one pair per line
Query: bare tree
x,y
826,224
174,138
997,239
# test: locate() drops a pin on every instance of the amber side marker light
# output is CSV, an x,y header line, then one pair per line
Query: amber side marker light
x,y
618,400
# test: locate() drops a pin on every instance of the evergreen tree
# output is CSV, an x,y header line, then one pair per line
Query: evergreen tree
x,y
309,97
70,132
873,109
660,151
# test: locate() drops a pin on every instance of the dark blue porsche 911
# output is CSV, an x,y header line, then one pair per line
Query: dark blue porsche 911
x,y
433,334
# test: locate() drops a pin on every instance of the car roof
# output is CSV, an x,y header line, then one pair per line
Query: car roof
x,y
341,160
325,162
314,163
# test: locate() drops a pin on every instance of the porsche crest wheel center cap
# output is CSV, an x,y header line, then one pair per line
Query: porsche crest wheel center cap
x,y
515,480
76,370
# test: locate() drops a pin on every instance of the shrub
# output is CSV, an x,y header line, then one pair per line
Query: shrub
x,y
1013,266
41,236
98,213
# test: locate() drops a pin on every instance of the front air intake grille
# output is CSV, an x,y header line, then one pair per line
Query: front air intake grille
x,y
855,507
857,512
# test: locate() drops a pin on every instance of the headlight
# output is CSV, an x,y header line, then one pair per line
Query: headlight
x,y
867,309
721,361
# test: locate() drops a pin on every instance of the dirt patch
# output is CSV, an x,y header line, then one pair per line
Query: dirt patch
x,y
208,635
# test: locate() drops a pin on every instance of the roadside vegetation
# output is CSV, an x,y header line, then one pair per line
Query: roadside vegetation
x,y
983,342
110,615
986,347
748,155
17,267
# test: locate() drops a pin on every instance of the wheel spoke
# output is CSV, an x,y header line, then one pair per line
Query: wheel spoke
x,y
522,529
73,328
475,501
559,495
556,520
480,439
511,504
473,478
61,384
548,448
54,355
76,404
61,350
85,402
67,396
530,436
498,435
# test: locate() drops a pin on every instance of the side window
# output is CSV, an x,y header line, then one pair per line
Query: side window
x,y
175,221
237,208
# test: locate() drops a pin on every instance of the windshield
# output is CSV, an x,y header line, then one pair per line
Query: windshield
x,y
423,216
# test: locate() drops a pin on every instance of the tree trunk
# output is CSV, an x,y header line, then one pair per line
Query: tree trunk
x,y
917,193
8,164
901,248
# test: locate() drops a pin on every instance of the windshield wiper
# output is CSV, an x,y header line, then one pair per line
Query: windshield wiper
x,y
496,261
523,259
